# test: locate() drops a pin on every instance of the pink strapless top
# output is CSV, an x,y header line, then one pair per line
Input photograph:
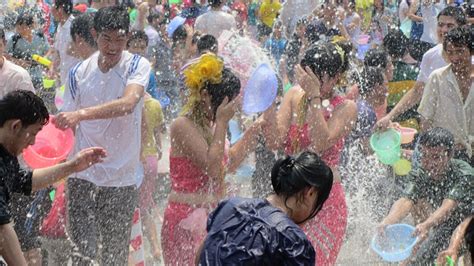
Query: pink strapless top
x,y
330,156
186,177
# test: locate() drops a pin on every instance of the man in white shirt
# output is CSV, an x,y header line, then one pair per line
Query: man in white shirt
x,y
448,97
215,21
103,102
12,77
64,60
448,18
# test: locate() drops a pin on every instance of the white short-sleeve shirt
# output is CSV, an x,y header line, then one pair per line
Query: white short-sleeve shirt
x,y
121,136
13,77
442,104
62,41
432,60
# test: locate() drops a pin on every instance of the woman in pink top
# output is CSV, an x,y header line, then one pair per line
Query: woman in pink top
x,y
311,117
197,160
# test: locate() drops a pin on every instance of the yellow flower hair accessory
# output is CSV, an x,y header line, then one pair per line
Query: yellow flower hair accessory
x,y
207,70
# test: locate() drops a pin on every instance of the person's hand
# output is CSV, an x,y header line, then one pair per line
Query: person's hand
x,y
421,231
308,81
67,119
442,257
87,157
384,123
226,109
380,229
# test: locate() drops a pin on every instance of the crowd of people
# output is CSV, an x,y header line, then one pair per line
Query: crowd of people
x,y
132,74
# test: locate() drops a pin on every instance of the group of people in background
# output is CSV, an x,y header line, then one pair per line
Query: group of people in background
x,y
134,74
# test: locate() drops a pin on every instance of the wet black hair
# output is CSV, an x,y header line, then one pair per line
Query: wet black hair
x,y
207,42
23,105
65,5
111,18
376,57
229,87
137,35
325,58
152,16
179,34
25,19
215,3
437,137
291,175
456,12
82,26
369,78
2,35
396,43
460,37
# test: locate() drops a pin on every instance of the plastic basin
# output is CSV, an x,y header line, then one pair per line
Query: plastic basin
x,y
261,90
408,134
386,146
52,146
397,243
402,167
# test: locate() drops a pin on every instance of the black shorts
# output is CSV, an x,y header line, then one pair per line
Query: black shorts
x,y
28,236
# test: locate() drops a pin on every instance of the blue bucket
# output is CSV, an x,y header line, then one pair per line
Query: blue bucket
x,y
397,243
261,90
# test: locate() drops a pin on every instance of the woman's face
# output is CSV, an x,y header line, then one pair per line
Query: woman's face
x,y
327,85
305,205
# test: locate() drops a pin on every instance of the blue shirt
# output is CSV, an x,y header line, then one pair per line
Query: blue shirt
x,y
253,232
276,48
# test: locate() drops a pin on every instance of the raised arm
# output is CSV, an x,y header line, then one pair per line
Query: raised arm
x,y
116,108
187,141
84,159
324,134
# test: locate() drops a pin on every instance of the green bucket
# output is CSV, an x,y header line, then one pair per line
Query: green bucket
x,y
386,146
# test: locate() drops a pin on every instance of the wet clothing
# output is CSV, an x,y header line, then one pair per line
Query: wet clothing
x,y
326,232
185,178
264,161
20,48
269,10
120,136
443,105
276,47
153,118
404,78
13,78
298,137
458,185
13,179
366,120
100,216
252,232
